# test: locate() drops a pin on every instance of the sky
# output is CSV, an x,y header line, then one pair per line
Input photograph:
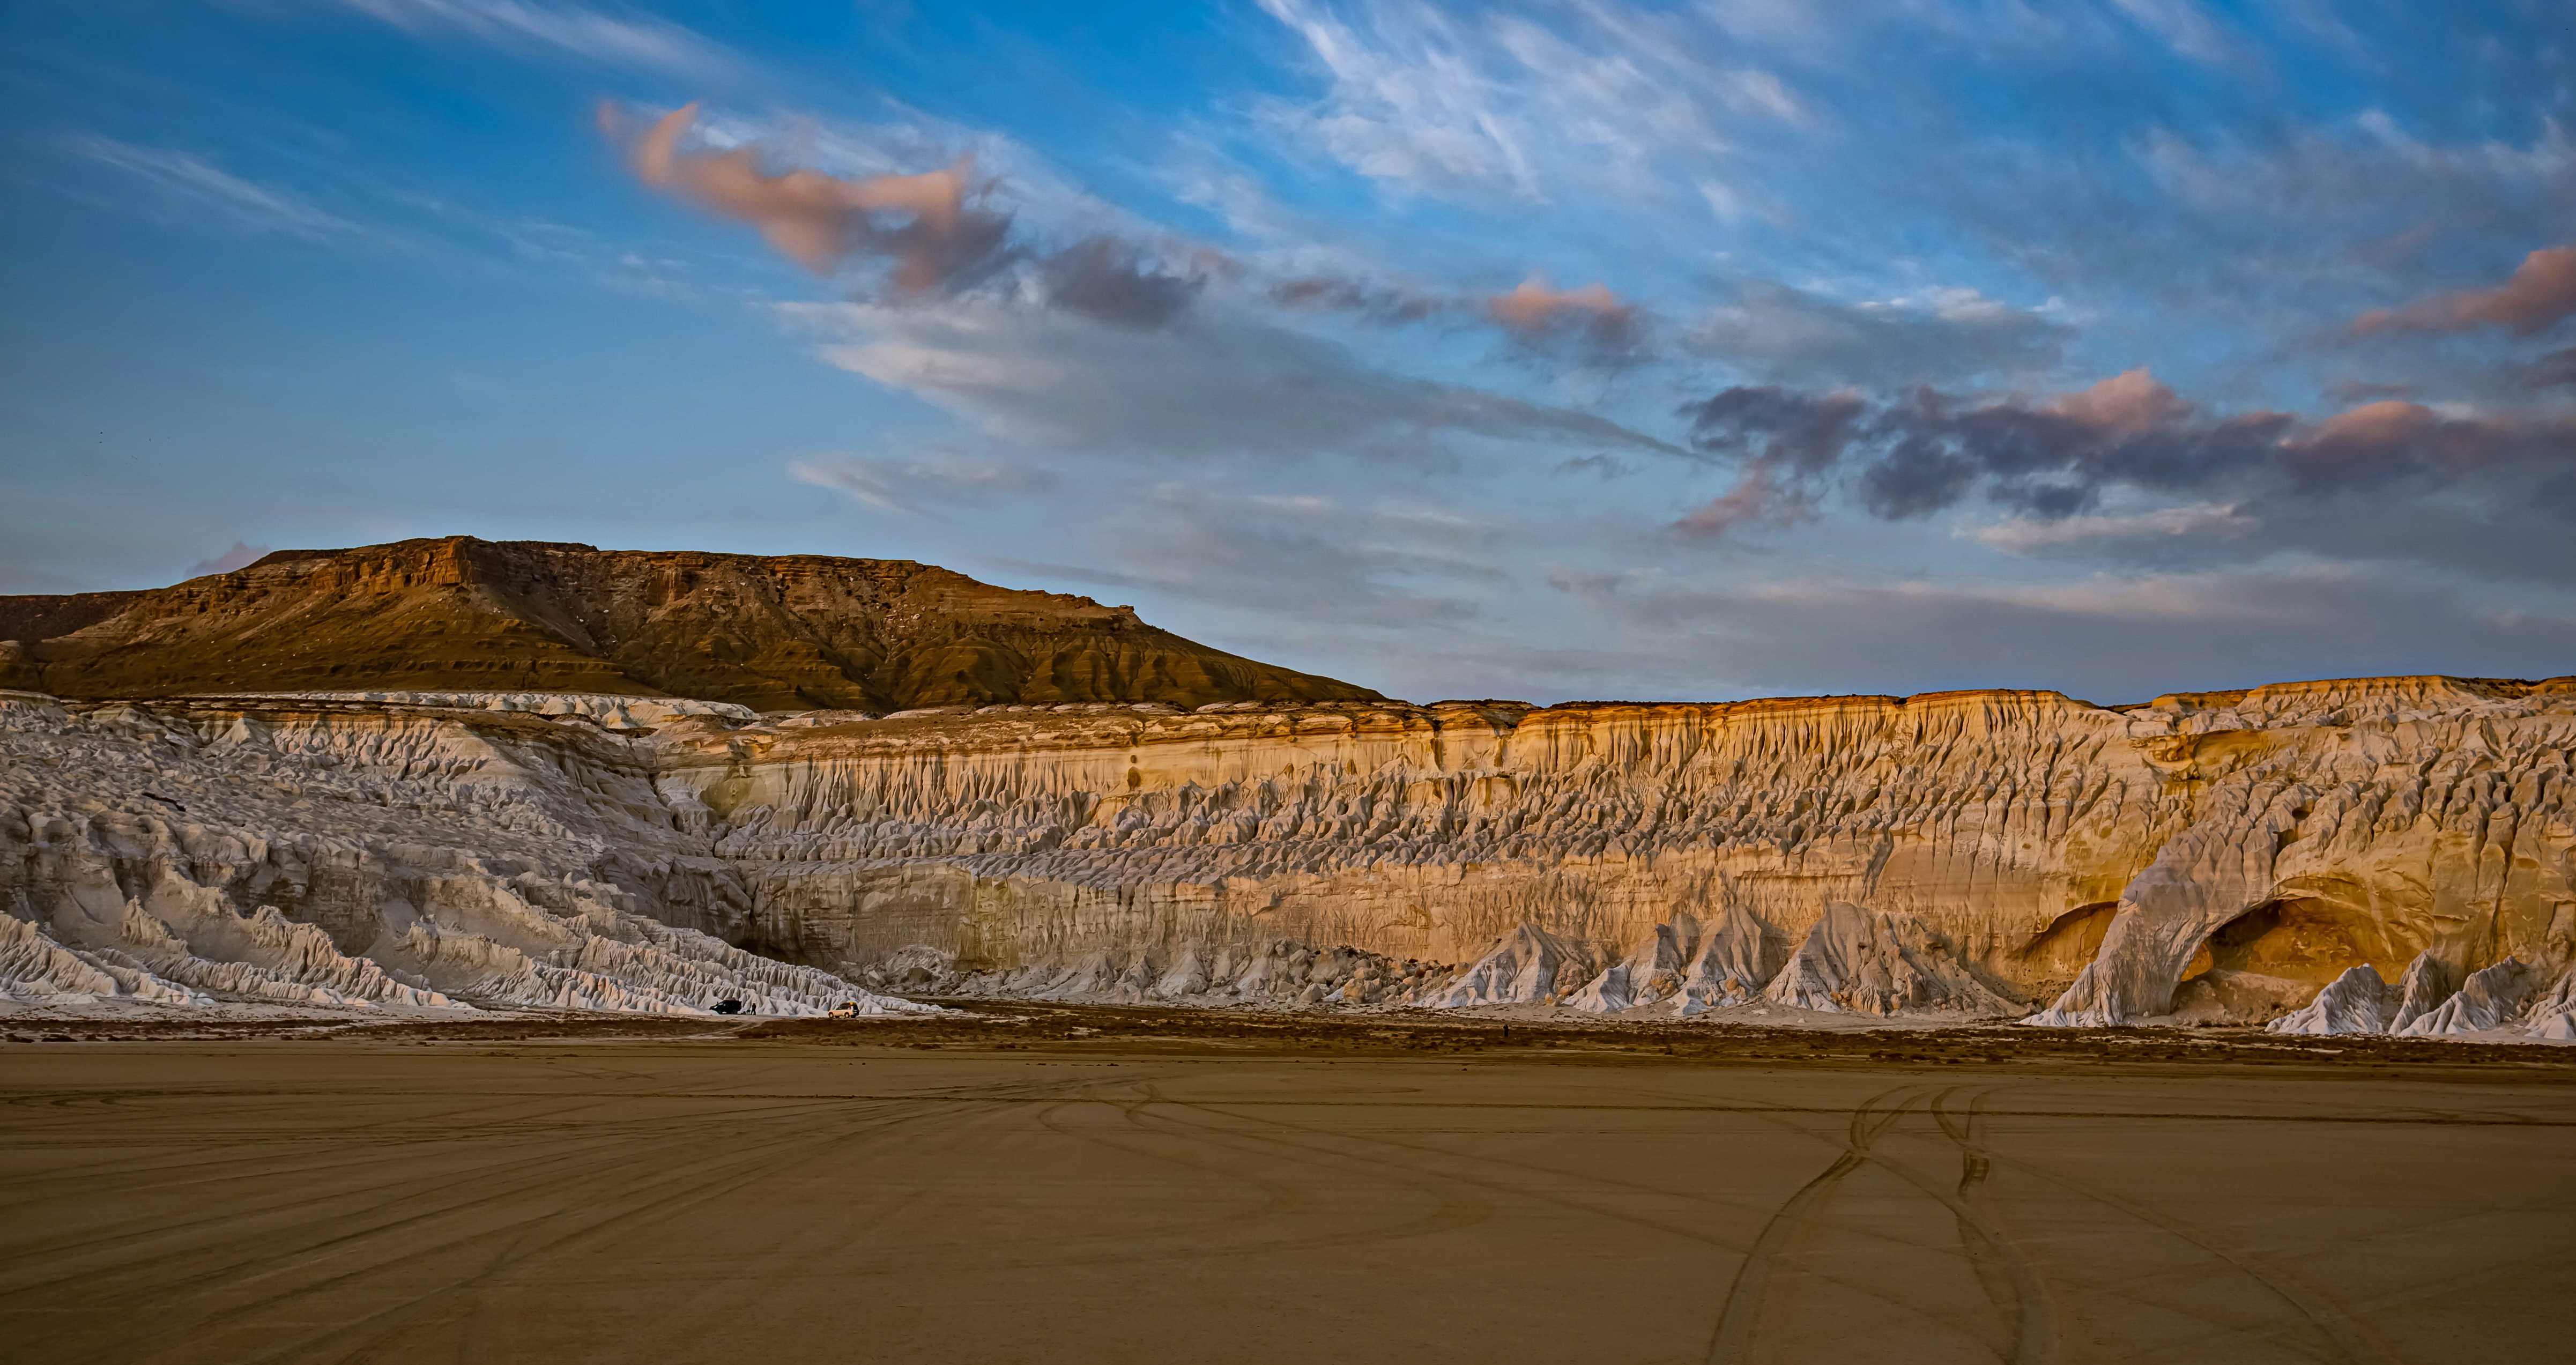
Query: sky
x,y
1558,350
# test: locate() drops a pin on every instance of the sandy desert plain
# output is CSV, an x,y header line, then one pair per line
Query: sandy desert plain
x,y
1077,1183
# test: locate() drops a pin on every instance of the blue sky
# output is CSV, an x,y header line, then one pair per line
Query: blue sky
x,y
1544,350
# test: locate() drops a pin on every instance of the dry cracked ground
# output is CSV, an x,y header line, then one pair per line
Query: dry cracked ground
x,y
1063,1183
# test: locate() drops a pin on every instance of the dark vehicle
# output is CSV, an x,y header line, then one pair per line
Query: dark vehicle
x,y
729,1007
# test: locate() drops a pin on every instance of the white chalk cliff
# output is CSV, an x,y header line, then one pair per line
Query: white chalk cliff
x,y
1962,855
358,855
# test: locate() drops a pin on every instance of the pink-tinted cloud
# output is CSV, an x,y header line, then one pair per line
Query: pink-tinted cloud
x,y
2541,294
1346,293
1759,498
923,223
2386,438
1536,311
2131,403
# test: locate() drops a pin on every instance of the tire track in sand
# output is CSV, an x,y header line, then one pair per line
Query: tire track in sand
x,y
1741,1316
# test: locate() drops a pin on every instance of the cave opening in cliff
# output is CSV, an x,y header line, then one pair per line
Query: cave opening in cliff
x,y
2280,952
2054,955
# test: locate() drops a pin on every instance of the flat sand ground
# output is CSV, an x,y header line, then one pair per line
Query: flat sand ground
x,y
644,1199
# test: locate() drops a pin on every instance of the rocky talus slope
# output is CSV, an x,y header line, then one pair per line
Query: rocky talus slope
x,y
2279,854
771,633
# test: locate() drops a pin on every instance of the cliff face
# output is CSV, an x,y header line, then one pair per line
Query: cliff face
x,y
2211,856
785,633
2257,843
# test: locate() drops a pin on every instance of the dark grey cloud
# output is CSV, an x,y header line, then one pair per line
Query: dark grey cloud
x,y
1784,335
1925,451
2510,529
1372,300
1111,280
2554,370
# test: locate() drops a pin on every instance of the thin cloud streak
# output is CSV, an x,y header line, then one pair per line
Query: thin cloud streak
x,y
640,43
913,486
191,180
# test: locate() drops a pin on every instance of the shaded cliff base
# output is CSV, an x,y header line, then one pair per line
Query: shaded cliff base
x,y
1855,969
1500,1034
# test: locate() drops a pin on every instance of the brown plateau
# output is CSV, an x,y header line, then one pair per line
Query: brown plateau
x,y
791,632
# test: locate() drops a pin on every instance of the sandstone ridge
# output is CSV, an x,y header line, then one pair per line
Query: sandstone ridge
x,y
2217,857
771,633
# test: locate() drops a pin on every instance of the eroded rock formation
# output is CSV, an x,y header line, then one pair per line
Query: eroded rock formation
x,y
1989,854
359,856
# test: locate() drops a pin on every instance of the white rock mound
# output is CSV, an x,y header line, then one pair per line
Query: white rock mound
x,y
2421,989
1861,961
1529,965
2505,997
2359,1001
2487,1000
2553,1015
1696,965
1655,972
1738,955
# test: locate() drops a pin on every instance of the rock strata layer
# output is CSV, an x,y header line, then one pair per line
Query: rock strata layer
x,y
2214,856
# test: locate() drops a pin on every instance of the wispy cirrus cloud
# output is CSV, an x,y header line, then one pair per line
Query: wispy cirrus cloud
x,y
901,485
1523,102
625,38
185,180
2064,535
2190,30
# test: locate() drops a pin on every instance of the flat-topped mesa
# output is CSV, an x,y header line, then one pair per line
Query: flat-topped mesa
x,y
769,632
